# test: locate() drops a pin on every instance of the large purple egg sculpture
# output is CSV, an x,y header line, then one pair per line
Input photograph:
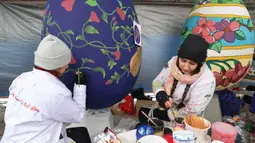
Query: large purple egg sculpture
x,y
101,36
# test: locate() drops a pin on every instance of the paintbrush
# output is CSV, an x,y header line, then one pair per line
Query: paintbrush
x,y
190,119
79,77
173,112
149,119
151,111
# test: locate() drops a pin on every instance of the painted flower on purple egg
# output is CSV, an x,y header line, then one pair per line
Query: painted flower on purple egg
x,y
121,13
94,17
117,55
226,30
68,5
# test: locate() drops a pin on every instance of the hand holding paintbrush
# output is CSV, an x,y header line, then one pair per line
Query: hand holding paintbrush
x,y
81,78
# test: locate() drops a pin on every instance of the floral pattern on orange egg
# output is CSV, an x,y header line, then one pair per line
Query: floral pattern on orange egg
x,y
227,27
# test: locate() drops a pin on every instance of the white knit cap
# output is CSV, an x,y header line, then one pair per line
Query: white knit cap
x,y
52,53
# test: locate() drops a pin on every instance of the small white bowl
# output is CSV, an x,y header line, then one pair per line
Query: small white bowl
x,y
217,141
151,139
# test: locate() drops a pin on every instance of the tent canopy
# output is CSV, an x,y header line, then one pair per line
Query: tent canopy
x,y
20,30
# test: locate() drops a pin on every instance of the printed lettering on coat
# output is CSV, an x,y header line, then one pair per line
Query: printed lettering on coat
x,y
25,103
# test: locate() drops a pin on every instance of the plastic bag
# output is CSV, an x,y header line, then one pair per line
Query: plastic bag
x,y
229,103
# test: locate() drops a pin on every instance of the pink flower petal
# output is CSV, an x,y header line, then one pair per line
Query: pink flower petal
x,y
209,39
201,21
234,26
210,23
68,4
197,30
205,32
212,28
218,35
94,17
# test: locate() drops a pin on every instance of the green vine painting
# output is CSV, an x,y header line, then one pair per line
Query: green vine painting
x,y
112,52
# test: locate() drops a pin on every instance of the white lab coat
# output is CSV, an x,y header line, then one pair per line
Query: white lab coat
x,y
198,96
38,105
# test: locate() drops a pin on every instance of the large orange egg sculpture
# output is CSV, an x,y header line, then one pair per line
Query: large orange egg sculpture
x,y
227,26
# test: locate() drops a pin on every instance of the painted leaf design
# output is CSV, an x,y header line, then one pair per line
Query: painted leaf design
x,y
215,1
116,77
84,60
185,35
234,1
49,20
69,32
208,64
79,37
91,61
126,43
111,63
115,28
47,31
120,3
105,17
249,23
104,51
240,35
238,19
122,36
91,30
216,46
128,28
91,2
184,30
98,69
130,17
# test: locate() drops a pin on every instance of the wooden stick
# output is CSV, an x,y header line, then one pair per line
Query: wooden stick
x,y
79,77
149,119
173,113
190,119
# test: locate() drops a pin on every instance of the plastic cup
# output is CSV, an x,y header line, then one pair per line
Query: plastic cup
x,y
143,130
179,122
159,129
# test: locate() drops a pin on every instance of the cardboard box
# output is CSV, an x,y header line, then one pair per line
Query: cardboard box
x,y
143,103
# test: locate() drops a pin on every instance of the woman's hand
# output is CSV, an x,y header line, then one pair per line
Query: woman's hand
x,y
164,100
168,104
81,78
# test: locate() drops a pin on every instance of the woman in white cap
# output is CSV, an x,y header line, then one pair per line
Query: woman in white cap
x,y
39,103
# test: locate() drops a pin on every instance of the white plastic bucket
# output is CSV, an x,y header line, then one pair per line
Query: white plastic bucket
x,y
199,134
